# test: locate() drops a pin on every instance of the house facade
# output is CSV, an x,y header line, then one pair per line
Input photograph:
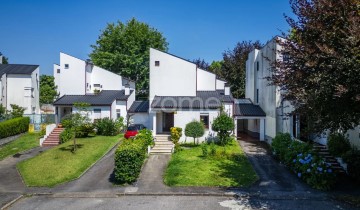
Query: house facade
x,y
180,92
269,98
109,94
20,85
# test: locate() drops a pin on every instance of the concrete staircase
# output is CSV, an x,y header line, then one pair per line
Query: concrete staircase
x,y
163,145
53,139
324,152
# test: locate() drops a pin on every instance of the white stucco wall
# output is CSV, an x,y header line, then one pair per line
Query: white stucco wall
x,y
105,111
173,77
108,80
220,85
16,84
72,80
206,80
57,76
123,110
354,136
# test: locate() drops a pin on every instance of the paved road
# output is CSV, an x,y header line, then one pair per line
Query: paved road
x,y
172,202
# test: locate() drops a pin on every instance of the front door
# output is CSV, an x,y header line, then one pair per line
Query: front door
x,y
168,121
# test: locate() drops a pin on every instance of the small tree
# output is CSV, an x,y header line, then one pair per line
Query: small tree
x,y
224,125
17,111
176,134
79,119
194,129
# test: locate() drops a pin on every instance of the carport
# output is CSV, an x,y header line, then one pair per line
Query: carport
x,y
249,118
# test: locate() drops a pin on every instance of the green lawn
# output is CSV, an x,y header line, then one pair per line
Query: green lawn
x,y
230,169
25,142
60,164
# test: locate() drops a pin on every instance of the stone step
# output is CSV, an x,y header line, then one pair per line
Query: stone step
x,y
160,152
164,142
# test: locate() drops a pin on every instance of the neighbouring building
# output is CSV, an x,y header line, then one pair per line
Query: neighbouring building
x,y
109,94
20,85
180,92
269,98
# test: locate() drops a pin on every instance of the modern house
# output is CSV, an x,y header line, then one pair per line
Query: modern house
x,y
20,85
180,92
269,98
109,94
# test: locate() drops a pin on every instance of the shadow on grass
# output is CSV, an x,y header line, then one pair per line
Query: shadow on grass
x,y
70,148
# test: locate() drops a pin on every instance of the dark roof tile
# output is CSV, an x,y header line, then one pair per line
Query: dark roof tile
x,y
17,69
139,107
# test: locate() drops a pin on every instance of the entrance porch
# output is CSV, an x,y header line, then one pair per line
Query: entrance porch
x,y
162,121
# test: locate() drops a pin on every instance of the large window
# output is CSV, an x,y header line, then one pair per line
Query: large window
x,y
204,118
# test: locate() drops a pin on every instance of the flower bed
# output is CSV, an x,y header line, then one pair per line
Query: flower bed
x,y
301,159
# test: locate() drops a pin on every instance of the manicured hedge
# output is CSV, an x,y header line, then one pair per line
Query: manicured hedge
x,y
130,156
66,135
14,126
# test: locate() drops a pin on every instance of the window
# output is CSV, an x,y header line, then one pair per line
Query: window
x,y
66,66
97,85
97,110
204,118
257,96
97,113
286,57
257,66
58,71
157,63
118,113
295,125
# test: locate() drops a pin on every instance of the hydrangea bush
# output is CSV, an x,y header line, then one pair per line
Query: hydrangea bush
x,y
306,164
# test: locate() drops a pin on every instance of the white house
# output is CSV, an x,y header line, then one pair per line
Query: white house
x,y
109,94
258,90
20,85
180,92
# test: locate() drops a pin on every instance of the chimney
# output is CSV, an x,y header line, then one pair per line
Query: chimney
x,y
127,89
226,89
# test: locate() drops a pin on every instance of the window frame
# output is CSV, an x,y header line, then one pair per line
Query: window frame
x,y
157,63
66,66
205,115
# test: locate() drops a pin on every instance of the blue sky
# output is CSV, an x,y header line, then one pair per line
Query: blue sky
x,y
34,32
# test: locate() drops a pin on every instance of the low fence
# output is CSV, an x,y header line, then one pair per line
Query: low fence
x,y
38,119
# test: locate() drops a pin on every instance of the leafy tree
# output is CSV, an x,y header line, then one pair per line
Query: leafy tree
x,y
5,60
216,67
124,49
224,125
16,111
322,70
194,129
201,63
48,88
234,66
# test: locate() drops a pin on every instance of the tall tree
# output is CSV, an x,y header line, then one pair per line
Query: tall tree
x,y
322,67
234,66
48,88
201,63
216,67
125,48
5,60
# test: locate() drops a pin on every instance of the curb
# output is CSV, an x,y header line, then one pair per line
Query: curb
x,y
8,205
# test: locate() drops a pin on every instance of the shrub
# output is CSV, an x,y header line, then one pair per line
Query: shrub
x,y
280,144
14,126
224,125
194,129
42,132
17,111
176,134
352,158
300,159
120,124
204,148
106,127
212,149
66,135
130,156
84,130
338,144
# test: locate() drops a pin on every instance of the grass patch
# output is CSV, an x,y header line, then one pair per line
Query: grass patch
x,y
24,142
229,167
60,164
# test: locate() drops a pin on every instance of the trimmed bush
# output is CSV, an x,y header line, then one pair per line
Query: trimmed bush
x,y
352,158
14,126
130,156
194,129
84,130
106,127
300,159
176,134
338,144
66,135
224,125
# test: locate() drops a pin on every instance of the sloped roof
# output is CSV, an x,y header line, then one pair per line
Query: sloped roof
x,y
105,97
202,100
139,107
245,107
17,69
